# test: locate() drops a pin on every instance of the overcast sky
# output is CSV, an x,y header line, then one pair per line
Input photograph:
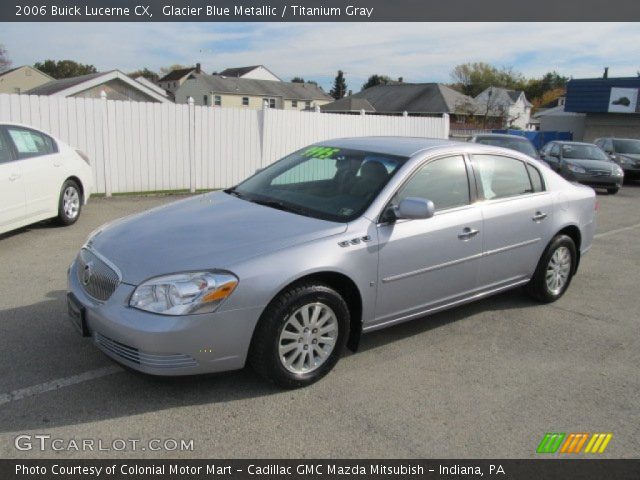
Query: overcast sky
x,y
419,52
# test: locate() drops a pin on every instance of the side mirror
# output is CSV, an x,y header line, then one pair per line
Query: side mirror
x,y
415,208
258,170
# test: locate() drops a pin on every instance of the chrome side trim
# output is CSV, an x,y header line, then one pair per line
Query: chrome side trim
x,y
451,263
440,266
446,306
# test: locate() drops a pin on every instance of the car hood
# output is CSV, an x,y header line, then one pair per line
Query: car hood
x,y
591,164
209,231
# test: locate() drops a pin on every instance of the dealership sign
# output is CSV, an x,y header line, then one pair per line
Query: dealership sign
x,y
623,100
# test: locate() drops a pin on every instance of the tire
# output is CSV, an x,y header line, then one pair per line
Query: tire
x,y
69,203
538,288
612,191
280,336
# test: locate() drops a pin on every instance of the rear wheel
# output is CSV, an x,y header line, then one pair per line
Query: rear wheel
x,y
612,191
69,204
554,271
300,336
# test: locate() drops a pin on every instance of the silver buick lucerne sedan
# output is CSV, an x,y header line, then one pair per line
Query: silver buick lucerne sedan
x,y
343,237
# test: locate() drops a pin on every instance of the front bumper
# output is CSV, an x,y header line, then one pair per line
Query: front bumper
x,y
166,345
604,181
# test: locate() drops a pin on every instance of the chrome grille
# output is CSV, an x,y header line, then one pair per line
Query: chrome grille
x,y
600,173
97,278
176,360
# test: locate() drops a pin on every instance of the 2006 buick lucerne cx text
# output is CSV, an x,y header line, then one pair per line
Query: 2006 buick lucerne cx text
x,y
343,237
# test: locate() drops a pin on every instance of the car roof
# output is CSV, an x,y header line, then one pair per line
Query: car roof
x,y
502,135
402,146
566,142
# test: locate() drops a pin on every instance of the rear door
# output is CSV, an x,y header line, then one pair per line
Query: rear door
x,y
430,262
516,215
12,196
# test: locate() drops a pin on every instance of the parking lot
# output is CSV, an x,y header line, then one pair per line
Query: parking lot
x,y
485,380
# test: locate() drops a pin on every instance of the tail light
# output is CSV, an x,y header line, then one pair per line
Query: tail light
x,y
84,156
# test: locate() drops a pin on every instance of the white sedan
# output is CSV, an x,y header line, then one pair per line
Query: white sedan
x,y
40,178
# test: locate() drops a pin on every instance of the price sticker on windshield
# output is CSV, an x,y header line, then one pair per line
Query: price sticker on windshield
x,y
320,152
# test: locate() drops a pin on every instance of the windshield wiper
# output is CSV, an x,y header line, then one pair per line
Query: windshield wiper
x,y
278,205
236,193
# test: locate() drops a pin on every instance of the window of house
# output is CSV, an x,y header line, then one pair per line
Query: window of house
x,y
443,181
30,143
205,100
272,103
245,101
217,100
294,103
307,104
502,177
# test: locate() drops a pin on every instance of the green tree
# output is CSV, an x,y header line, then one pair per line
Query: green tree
x,y
64,68
5,63
146,73
376,79
297,80
536,88
473,78
339,89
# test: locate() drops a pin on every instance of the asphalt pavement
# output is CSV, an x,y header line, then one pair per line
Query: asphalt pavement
x,y
487,379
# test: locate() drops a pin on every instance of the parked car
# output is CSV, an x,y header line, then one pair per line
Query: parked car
x,y
585,163
40,178
514,142
625,152
340,238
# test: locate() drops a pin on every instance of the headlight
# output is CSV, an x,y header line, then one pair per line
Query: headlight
x,y
617,171
576,168
184,293
624,160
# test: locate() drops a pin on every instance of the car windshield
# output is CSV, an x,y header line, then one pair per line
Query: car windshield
x,y
520,145
325,182
583,152
626,146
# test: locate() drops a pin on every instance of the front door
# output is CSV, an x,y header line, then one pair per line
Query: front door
x,y
427,263
11,185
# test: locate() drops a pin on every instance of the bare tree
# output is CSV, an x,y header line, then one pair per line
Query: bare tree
x,y
5,63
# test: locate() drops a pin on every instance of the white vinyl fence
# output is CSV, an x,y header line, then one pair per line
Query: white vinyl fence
x,y
139,147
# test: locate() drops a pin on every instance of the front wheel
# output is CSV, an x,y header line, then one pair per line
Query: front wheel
x,y
554,271
69,204
300,335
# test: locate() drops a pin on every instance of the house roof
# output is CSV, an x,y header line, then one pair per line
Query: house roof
x,y
412,98
70,86
175,75
25,66
241,71
267,88
349,104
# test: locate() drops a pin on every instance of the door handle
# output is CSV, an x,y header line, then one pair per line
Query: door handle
x,y
467,233
13,177
539,216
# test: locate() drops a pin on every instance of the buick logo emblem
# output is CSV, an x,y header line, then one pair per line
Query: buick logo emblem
x,y
86,273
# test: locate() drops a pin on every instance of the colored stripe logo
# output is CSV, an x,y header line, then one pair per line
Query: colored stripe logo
x,y
573,443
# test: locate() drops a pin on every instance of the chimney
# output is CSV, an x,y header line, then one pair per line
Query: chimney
x,y
606,72
198,69
400,79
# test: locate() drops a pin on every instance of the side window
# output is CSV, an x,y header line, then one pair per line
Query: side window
x,y
502,177
555,150
536,178
30,143
443,181
5,149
